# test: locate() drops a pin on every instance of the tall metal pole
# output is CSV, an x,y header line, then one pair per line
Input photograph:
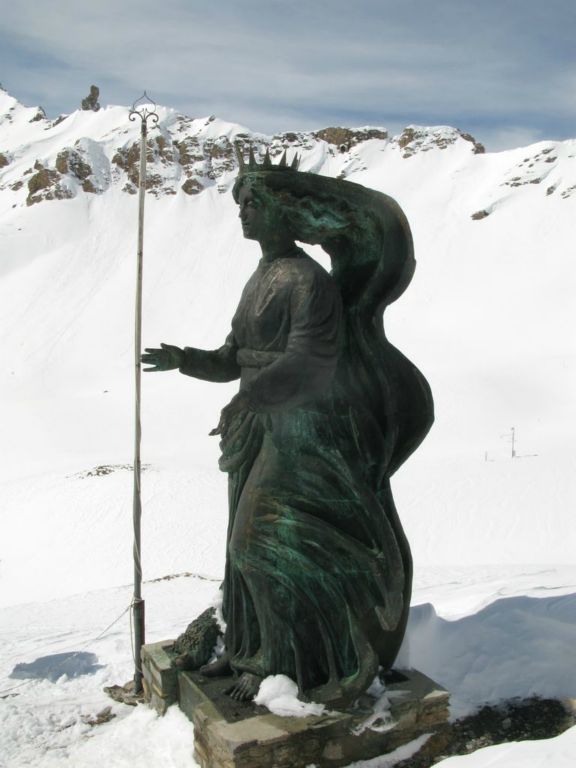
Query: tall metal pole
x,y
143,109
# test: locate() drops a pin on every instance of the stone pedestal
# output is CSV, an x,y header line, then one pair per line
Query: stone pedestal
x,y
230,734
159,678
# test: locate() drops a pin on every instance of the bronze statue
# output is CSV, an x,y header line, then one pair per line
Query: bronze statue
x,y
318,570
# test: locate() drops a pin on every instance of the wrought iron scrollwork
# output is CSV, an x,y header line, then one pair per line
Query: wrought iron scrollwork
x,y
145,109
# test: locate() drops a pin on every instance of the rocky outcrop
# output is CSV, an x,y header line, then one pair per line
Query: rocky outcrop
x,y
83,167
45,184
91,101
204,162
40,115
70,161
128,159
192,187
414,139
478,148
345,138
220,158
532,170
161,157
189,152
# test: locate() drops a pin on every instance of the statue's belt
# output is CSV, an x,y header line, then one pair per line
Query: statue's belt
x,y
256,358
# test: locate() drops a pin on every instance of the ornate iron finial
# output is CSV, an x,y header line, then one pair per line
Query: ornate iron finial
x,y
144,108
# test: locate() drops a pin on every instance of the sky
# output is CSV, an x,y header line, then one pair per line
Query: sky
x,y
503,70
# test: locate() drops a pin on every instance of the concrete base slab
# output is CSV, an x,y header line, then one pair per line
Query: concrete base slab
x,y
230,734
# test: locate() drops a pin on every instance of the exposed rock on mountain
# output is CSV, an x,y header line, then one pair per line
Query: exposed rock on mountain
x,y
70,161
46,184
415,139
344,138
91,101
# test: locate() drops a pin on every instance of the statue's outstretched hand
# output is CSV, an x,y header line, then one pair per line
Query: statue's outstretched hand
x,y
165,359
235,407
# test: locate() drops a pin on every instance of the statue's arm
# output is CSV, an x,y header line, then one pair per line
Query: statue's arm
x,y
305,370
211,365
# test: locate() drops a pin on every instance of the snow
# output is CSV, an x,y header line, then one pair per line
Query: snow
x,y
488,319
380,720
280,695
515,647
508,648
401,753
138,738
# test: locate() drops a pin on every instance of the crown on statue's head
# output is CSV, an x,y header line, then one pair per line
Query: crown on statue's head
x,y
266,165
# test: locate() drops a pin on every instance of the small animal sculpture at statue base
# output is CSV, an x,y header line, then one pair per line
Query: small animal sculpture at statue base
x,y
194,647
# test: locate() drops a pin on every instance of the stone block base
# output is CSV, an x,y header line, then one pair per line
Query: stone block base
x,y
230,734
159,678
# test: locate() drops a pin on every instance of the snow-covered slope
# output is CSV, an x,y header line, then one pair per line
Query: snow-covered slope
x,y
488,319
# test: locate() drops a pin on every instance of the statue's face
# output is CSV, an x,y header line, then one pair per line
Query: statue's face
x,y
252,215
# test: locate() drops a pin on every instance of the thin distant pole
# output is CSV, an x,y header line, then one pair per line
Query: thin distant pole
x,y
144,109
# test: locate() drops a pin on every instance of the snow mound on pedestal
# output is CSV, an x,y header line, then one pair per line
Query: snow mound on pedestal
x,y
280,695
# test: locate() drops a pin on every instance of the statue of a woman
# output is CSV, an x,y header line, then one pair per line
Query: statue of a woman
x,y
318,570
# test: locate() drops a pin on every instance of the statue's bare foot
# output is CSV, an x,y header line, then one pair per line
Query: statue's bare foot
x,y
219,668
245,688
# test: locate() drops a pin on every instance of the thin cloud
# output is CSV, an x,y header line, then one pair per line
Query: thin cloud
x,y
492,67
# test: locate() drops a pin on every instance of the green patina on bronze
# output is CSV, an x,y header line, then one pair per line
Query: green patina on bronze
x,y
318,571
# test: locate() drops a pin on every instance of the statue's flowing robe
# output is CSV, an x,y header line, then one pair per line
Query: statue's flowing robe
x,y
318,571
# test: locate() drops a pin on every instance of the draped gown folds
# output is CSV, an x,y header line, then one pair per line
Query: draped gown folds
x,y
318,573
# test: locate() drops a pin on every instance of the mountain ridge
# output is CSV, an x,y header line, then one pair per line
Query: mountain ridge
x,y
188,154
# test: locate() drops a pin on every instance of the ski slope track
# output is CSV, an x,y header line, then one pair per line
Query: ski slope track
x,y
488,318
